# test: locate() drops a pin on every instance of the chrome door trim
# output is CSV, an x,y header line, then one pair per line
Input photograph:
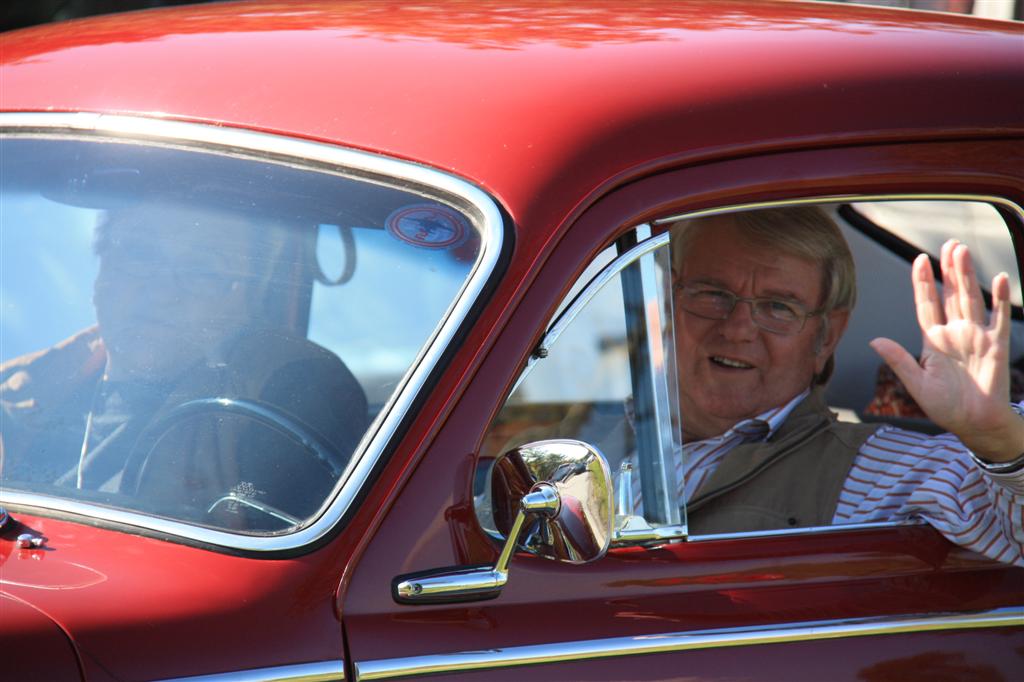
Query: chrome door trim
x,y
324,671
316,157
563,652
844,199
807,530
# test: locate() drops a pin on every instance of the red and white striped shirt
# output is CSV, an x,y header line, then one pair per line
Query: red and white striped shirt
x,y
898,475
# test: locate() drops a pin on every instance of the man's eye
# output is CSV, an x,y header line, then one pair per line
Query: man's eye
x,y
781,310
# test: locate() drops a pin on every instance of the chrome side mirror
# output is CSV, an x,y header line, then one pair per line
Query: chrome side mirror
x,y
556,495
580,529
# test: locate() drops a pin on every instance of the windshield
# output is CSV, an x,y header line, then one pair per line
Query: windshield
x,y
203,337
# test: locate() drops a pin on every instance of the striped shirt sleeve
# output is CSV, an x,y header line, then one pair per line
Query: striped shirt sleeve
x,y
901,475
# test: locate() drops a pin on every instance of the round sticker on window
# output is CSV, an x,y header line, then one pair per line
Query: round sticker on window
x,y
430,226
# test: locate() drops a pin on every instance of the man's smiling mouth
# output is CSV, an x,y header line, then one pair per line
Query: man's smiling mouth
x,y
730,363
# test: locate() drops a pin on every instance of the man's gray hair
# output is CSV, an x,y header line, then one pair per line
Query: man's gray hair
x,y
805,232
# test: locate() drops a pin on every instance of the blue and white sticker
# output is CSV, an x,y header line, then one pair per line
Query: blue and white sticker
x,y
428,226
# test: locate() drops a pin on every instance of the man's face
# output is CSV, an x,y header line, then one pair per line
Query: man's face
x,y
171,288
731,370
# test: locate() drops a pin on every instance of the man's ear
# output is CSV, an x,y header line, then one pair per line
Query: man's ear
x,y
835,326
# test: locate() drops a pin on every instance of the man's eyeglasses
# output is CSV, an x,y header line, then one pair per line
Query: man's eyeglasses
x,y
774,315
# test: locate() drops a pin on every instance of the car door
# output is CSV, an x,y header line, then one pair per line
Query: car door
x,y
865,602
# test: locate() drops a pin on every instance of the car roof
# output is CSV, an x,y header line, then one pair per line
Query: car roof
x,y
544,105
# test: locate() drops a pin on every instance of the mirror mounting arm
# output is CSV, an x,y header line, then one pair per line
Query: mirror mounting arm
x,y
476,583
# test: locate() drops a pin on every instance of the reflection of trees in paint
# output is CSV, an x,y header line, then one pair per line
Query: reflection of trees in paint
x,y
468,23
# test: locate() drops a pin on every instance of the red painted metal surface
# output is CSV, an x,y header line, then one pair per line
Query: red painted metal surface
x,y
34,646
131,602
541,103
549,107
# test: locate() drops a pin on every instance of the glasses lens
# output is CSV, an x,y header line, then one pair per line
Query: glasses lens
x,y
714,304
778,316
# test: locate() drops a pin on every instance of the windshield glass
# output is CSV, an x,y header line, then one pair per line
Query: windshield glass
x,y
203,337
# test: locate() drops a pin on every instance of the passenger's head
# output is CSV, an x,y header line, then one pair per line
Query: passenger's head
x,y
175,283
735,364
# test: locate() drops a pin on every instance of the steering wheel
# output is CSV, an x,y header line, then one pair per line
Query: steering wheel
x,y
308,438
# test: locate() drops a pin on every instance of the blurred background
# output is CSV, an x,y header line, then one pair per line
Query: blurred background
x,y
20,13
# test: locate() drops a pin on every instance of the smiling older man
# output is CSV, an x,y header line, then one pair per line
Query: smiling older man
x,y
762,299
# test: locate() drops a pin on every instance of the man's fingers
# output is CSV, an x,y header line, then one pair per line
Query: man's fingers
x,y
950,298
926,295
972,306
901,362
1000,323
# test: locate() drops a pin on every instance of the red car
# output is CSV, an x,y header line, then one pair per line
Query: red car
x,y
334,337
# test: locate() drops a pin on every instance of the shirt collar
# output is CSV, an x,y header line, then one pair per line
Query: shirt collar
x,y
764,425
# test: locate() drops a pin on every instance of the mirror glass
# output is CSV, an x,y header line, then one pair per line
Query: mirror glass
x,y
580,531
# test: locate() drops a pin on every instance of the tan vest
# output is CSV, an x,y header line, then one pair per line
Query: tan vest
x,y
792,479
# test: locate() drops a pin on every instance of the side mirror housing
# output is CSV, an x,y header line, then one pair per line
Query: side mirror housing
x,y
552,498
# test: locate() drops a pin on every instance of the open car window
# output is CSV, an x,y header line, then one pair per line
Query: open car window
x,y
204,337
884,237
926,225
594,366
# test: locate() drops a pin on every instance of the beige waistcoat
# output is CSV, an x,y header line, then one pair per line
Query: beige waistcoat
x,y
792,479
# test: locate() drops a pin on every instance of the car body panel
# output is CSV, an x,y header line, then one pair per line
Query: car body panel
x,y
34,646
659,102
647,112
127,597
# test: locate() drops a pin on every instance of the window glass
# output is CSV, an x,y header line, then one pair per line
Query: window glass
x,y
203,337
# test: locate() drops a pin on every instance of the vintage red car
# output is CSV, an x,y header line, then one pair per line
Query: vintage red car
x,y
283,282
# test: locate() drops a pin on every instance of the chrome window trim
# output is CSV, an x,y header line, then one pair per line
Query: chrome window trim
x,y
614,647
807,530
325,671
844,199
316,157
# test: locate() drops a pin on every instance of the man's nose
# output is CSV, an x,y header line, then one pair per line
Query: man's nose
x,y
740,325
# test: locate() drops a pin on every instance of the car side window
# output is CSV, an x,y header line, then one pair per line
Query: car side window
x,y
620,364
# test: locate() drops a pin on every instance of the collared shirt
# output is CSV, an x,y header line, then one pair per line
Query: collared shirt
x,y
897,475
